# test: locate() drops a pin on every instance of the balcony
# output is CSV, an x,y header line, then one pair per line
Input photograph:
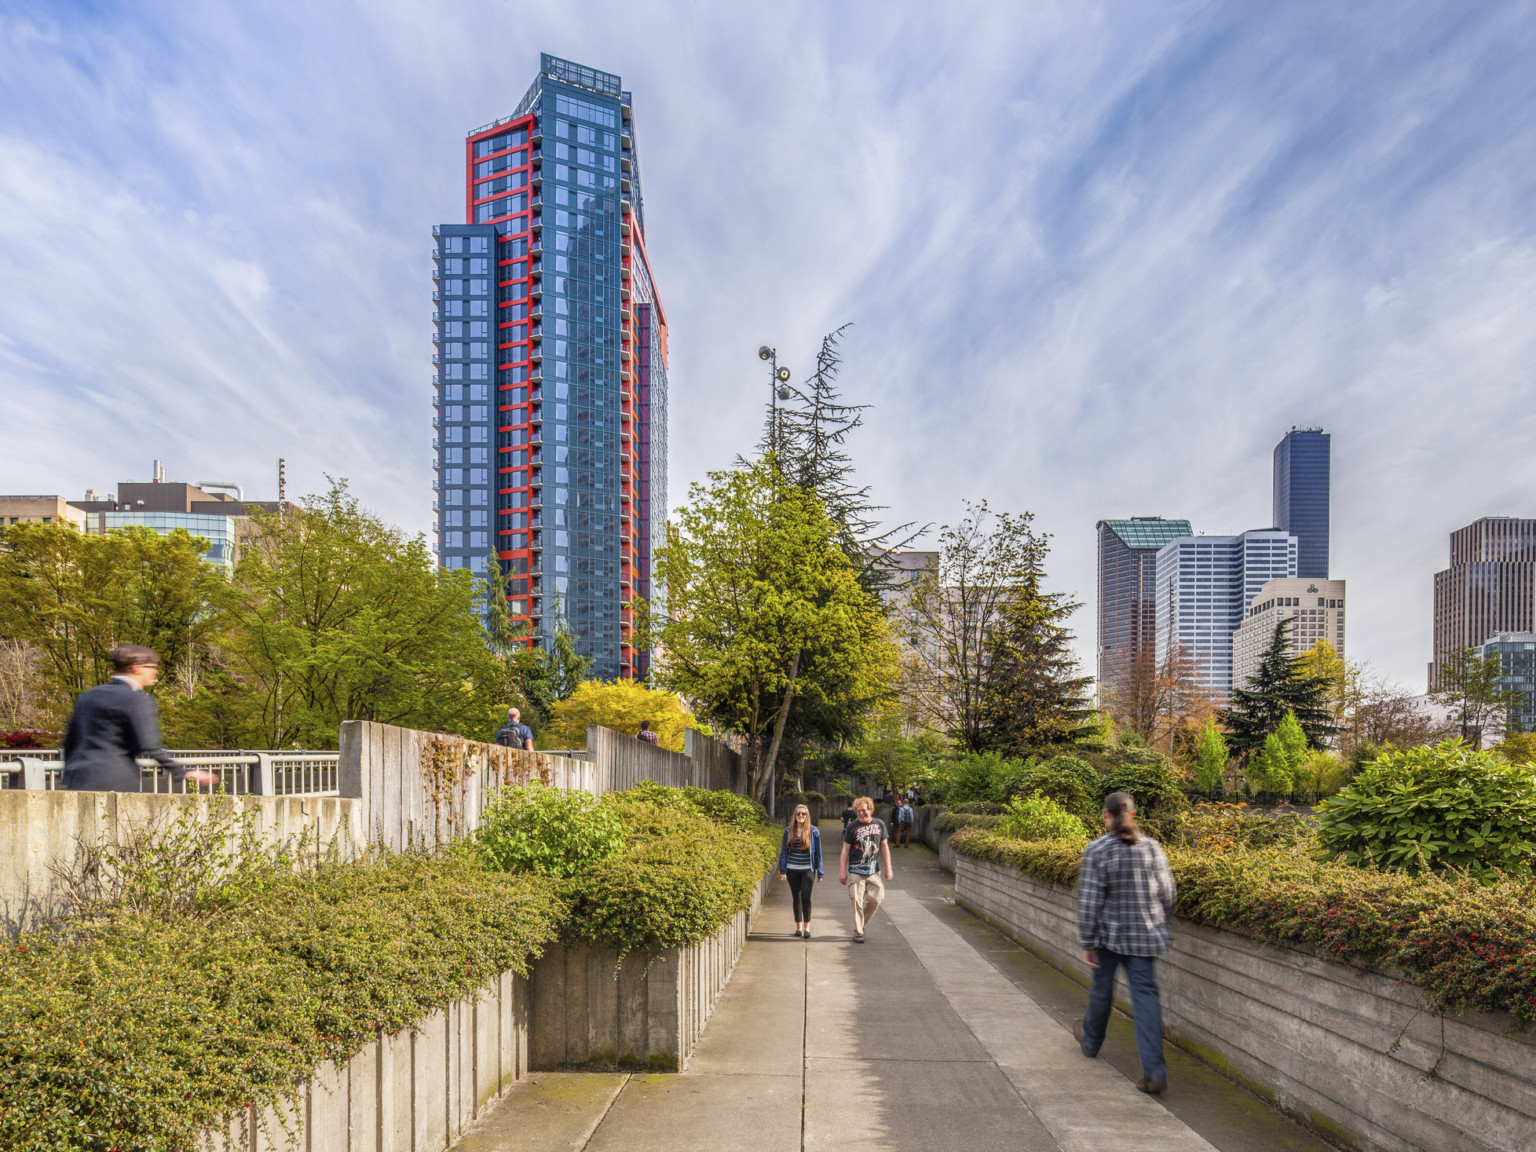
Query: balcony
x,y
435,359
436,419
436,295
436,231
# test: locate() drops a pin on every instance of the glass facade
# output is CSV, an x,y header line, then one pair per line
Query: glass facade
x,y
1204,587
1517,670
1302,468
219,531
1127,588
1489,588
577,427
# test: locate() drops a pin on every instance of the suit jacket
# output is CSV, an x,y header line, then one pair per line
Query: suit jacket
x,y
110,725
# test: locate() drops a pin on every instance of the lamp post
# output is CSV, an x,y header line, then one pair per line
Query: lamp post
x,y
779,386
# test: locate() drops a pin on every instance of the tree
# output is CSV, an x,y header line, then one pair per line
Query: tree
x,y
1295,743
1269,769
1345,691
1033,696
1167,703
620,705
952,617
1472,688
1276,688
19,702
896,759
72,598
1211,758
334,615
764,614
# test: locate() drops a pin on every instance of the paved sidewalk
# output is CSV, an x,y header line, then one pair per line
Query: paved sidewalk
x,y
938,1033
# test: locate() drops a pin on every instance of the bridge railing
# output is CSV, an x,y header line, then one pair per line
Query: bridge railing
x,y
240,773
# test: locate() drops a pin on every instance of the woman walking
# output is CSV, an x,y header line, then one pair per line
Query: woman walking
x,y
1125,894
800,864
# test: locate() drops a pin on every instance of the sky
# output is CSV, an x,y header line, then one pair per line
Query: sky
x,y
1097,258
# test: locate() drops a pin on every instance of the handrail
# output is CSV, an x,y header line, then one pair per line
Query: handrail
x,y
241,773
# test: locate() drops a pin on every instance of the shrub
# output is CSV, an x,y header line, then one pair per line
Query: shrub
x,y
727,808
548,831
1154,784
140,1030
979,808
1037,817
1072,783
1440,808
978,776
1226,827
1468,946
1269,769
954,820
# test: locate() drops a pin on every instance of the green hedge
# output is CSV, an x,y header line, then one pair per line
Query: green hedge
x,y
952,821
138,1031
1467,944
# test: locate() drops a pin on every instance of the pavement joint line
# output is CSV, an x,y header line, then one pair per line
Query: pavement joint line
x,y
940,948
586,1139
805,1034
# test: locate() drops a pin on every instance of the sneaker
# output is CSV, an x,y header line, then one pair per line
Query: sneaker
x,y
859,939
1151,1087
1082,1040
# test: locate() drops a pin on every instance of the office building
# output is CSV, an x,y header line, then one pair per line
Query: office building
x,y
1516,652
551,384
1127,588
1490,586
1301,492
1204,587
1315,609
39,510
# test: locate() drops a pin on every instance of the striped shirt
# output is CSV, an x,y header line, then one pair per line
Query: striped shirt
x,y
1125,894
797,857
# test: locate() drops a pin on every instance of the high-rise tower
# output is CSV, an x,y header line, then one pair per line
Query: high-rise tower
x,y
1302,463
1490,586
551,388
1128,594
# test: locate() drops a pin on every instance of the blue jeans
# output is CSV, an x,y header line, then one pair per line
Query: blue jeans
x,y
1146,1008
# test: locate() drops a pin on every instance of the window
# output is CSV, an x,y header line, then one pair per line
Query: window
x,y
478,496
479,540
479,456
479,267
478,350
479,308
479,243
479,371
478,434
453,371
477,412
453,266
453,476
479,287
479,328
478,392
478,519
453,539
453,412
452,244
453,307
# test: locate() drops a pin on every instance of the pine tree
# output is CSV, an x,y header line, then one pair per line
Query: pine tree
x,y
1211,758
1033,696
1279,686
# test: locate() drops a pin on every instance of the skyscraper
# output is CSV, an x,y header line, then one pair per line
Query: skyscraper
x,y
1204,587
551,388
1302,464
1128,592
1315,609
1490,586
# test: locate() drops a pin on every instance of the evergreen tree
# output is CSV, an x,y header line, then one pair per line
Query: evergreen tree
x,y
1269,768
1033,696
1279,686
1211,758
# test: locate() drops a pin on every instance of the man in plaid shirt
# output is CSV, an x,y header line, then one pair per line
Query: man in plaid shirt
x,y
1125,894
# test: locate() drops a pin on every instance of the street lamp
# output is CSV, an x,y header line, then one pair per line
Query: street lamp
x,y
779,384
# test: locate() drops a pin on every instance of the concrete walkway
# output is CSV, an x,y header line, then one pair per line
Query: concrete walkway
x,y
938,1033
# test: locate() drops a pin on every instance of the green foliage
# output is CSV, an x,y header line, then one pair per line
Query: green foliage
x,y
1269,769
1321,774
978,776
619,705
1152,782
1211,758
1227,827
726,808
548,831
140,1028
1283,683
1441,808
73,597
1294,741
1072,783
895,759
767,626
1037,817
1468,946
979,808
952,821
1033,695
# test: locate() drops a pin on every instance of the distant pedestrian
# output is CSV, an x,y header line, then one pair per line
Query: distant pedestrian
x,y
849,816
514,733
866,852
800,865
116,722
1125,894
904,818
646,734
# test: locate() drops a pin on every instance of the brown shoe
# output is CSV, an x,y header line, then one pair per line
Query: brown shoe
x,y
1082,1041
1151,1087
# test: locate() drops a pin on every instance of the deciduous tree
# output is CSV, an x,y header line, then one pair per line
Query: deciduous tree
x,y
1278,687
1471,687
620,705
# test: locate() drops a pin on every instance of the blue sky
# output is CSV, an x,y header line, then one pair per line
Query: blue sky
x,y
1098,256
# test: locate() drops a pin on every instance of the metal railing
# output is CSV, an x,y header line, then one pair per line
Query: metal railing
x,y
240,773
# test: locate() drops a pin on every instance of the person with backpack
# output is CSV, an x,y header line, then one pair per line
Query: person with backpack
x,y
902,818
646,734
514,733
800,865
1125,895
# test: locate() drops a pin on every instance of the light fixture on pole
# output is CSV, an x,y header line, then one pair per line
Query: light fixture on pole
x,y
779,385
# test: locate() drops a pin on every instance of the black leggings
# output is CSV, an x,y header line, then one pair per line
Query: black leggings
x,y
801,882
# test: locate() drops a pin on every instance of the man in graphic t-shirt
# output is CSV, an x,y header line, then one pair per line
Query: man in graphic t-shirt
x,y
866,853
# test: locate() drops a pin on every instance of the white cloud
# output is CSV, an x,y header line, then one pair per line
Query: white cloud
x,y
1098,257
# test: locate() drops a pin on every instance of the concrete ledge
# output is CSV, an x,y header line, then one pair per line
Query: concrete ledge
x,y
590,1011
1345,1050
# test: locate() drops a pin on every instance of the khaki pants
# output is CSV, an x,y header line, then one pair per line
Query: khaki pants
x,y
866,892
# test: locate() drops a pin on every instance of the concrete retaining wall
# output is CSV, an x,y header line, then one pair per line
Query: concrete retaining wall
x,y
412,1091
1344,1049
590,1011
42,833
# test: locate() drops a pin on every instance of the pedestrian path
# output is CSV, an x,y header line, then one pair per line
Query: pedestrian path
x,y
938,1033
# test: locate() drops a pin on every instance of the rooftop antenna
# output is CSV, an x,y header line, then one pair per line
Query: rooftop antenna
x,y
282,479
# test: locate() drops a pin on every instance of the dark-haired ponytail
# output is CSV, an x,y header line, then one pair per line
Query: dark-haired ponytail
x,y
1121,810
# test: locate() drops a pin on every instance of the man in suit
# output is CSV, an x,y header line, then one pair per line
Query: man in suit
x,y
115,722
